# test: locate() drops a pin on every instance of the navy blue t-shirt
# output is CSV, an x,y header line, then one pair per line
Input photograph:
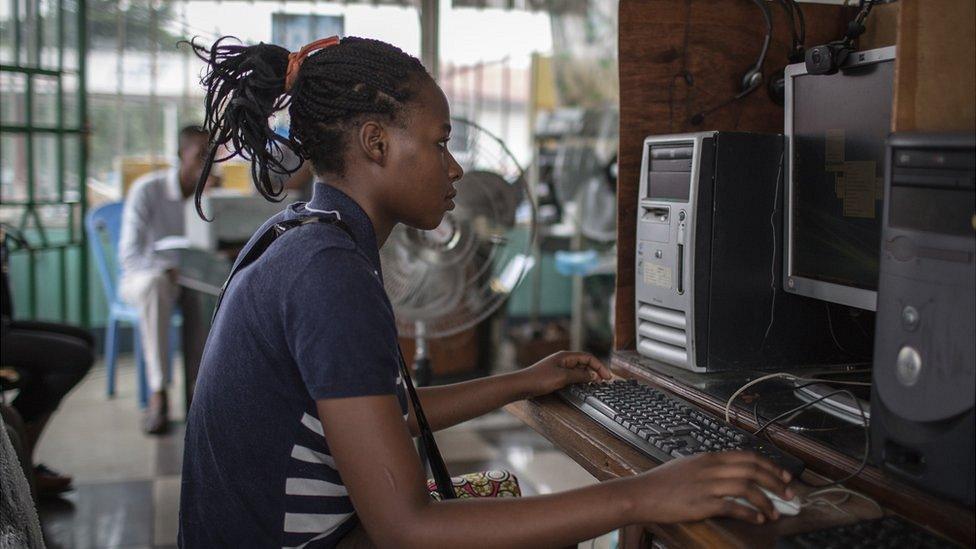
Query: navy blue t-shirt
x,y
308,320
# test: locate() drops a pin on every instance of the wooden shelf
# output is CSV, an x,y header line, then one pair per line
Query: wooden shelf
x,y
606,457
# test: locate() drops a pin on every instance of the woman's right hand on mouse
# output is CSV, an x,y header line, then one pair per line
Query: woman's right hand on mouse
x,y
696,487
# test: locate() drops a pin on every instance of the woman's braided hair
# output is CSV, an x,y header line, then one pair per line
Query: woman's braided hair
x,y
335,90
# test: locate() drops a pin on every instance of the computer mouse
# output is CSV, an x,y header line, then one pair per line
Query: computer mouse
x,y
785,507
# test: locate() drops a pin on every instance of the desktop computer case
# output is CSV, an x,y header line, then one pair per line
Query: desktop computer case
x,y
709,267
924,374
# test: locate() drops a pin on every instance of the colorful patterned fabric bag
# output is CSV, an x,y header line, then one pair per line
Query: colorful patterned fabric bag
x,y
486,484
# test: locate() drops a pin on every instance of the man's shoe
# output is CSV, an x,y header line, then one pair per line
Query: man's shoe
x,y
156,421
50,482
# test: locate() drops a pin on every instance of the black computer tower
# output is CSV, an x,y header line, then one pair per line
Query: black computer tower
x,y
708,288
924,373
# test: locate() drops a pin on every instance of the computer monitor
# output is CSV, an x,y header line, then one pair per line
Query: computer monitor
x,y
836,126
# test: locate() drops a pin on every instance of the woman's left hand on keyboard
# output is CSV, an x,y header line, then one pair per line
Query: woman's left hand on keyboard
x,y
564,368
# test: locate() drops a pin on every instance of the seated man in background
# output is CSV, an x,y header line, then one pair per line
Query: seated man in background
x,y
154,210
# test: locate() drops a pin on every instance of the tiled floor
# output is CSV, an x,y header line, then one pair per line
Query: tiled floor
x,y
127,485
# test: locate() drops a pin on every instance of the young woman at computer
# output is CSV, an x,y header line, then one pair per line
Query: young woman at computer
x,y
300,430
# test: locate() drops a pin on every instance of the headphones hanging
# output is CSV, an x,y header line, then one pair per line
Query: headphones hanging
x,y
776,85
753,77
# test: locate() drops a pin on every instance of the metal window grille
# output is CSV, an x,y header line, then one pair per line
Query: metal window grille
x,y
44,153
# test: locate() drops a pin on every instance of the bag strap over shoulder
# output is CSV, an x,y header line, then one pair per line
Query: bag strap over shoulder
x,y
266,239
445,487
441,476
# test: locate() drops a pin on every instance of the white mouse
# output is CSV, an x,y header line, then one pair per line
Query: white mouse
x,y
786,507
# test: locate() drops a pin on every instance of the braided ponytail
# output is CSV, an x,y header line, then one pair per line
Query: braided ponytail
x,y
245,86
335,89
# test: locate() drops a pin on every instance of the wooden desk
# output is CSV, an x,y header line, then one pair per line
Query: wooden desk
x,y
681,58
606,457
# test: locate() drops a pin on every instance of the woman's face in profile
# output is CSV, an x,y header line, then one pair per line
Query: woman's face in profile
x,y
424,167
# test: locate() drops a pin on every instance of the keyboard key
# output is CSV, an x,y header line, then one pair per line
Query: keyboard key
x,y
600,406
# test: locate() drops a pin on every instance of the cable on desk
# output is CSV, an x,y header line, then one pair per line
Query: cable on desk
x,y
864,421
728,404
814,498
800,408
835,505
795,428
789,377
854,371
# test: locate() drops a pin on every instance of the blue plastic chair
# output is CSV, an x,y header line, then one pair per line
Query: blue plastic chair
x,y
103,225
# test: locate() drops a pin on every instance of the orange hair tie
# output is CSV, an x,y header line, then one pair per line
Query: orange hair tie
x,y
296,58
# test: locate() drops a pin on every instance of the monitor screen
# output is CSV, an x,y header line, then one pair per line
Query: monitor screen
x,y
837,128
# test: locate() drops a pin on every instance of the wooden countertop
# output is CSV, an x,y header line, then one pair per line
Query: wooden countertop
x,y
606,457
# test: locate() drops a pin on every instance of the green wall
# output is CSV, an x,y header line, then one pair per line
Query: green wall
x,y
49,292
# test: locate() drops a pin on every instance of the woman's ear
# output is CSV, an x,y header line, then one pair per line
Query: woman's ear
x,y
374,141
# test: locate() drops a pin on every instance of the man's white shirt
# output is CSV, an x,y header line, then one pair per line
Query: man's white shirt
x,y
154,209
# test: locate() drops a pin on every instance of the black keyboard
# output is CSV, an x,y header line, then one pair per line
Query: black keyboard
x,y
665,427
890,531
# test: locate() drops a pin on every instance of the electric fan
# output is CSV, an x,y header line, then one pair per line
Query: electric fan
x,y
446,280
583,175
